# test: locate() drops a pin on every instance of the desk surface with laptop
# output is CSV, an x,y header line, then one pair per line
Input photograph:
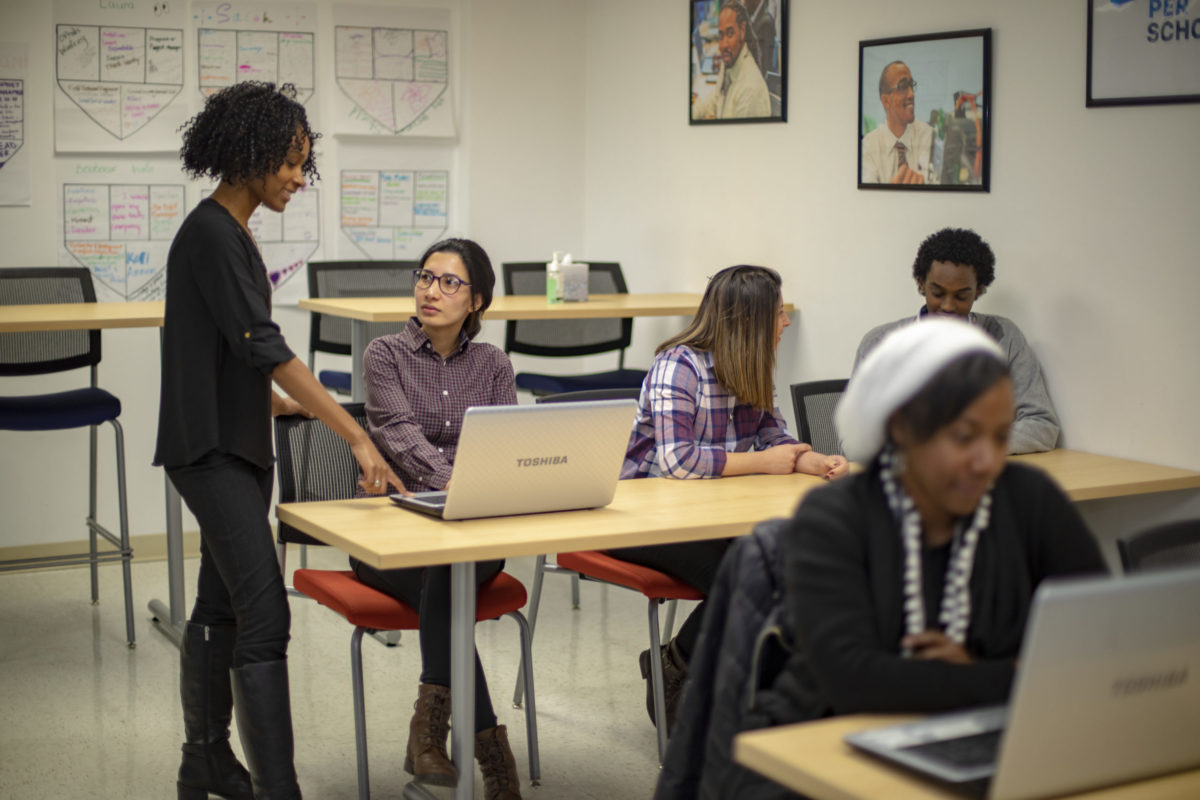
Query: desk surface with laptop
x,y
1103,698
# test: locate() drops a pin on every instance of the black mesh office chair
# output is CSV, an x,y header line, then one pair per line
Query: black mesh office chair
x,y
351,279
1174,544
43,352
577,337
814,402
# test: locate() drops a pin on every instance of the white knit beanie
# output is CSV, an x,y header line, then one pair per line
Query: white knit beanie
x,y
894,372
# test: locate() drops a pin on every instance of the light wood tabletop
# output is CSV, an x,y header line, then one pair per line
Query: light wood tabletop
x,y
812,758
517,307
80,316
647,511
1088,476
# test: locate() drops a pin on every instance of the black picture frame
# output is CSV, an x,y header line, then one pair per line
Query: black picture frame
x,y
1141,54
713,100
947,135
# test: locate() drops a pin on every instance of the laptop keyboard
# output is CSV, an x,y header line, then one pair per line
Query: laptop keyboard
x,y
979,750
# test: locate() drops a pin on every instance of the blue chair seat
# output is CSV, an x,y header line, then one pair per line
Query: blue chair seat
x,y
60,410
335,380
557,384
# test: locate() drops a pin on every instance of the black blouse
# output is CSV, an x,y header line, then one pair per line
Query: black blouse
x,y
844,558
219,344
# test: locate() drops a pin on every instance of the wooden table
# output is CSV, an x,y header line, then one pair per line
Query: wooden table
x,y
98,316
813,758
361,310
648,511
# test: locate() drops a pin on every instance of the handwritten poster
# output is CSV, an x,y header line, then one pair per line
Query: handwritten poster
x,y
118,220
240,42
392,68
396,213
14,158
118,75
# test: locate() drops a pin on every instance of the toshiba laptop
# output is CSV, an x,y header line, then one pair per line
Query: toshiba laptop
x,y
533,458
1107,691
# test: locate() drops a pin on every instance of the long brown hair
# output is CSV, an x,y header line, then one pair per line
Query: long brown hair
x,y
736,323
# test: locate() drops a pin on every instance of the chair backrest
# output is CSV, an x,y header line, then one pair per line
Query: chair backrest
x,y
40,352
577,337
354,279
814,402
620,393
314,463
1174,544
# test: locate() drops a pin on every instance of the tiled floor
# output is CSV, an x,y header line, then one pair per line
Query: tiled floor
x,y
83,716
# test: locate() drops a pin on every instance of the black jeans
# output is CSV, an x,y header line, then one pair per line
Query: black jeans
x,y
427,589
240,582
694,563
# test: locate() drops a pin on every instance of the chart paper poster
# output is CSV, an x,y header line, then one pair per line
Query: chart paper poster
x,y
392,68
119,70
14,156
394,213
118,219
274,43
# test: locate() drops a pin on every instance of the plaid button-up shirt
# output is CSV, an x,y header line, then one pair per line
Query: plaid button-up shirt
x,y
416,399
687,422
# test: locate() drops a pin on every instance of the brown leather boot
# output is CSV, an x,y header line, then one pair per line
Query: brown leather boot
x,y
500,781
675,671
426,758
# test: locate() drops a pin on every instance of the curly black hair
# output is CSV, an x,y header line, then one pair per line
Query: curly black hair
x,y
958,246
244,133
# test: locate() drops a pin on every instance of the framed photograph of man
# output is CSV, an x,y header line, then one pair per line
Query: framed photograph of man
x,y
924,120
1142,52
737,54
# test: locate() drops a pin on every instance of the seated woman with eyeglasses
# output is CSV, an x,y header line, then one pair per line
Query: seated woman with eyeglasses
x,y
707,410
419,384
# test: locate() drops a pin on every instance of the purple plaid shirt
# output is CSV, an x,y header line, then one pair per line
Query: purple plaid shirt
x,y
687,422
416,400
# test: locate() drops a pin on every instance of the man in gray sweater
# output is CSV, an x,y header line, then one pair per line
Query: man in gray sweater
x,y
953,268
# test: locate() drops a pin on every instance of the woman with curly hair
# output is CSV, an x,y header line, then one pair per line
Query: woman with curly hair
x,y
220,355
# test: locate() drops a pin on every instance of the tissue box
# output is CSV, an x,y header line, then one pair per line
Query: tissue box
x,y
575,282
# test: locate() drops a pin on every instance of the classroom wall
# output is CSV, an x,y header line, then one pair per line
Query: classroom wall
x,y
573,135
519,143
1091,211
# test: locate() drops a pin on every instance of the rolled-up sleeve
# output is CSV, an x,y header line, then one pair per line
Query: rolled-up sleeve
x,y
238,305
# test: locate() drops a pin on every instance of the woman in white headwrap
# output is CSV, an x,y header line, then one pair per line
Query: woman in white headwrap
x,y
908,585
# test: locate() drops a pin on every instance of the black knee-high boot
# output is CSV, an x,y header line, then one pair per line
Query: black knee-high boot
x,y
209,765
264,718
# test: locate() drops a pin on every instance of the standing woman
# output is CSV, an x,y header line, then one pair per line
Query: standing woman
x,y
220,354
420,383
707,410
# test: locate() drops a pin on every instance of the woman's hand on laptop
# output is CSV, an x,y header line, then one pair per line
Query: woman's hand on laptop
x,y
935,646
376,474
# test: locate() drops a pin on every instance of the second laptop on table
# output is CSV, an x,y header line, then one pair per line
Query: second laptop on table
x,y
533,458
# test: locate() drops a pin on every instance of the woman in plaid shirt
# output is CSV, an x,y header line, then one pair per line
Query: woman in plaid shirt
x,y
419,383
707,410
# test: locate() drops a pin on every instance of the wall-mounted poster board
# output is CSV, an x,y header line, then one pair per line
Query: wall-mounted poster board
x,y
1142,52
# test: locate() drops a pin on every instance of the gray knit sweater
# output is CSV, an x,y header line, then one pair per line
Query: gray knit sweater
x,y
1036,427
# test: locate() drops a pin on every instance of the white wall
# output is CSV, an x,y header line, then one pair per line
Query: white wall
x,y
573,134
1091,212
520,140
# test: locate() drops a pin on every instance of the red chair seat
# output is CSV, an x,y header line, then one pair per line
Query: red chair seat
x,y
650,582
366,607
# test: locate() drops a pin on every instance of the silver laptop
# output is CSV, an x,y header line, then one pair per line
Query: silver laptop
x,y
1108,691
533,458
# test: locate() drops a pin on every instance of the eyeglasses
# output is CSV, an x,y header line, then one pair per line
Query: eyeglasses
x,y
449,283
903,86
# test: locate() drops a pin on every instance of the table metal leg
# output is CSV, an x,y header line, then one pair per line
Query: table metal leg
x,y
170,620
462,676
358,345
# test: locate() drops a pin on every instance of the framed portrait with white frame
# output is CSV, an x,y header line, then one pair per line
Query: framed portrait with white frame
x,y
924,112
